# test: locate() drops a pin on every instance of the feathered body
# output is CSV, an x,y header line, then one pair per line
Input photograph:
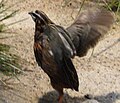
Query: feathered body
x,y
54,46
54,59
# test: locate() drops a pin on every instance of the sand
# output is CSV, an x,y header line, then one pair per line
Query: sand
x,y
99,74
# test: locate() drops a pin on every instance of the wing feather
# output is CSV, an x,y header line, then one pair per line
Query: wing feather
x,y
88,28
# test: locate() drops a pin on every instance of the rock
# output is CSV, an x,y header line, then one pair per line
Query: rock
x,y
88,96
90,101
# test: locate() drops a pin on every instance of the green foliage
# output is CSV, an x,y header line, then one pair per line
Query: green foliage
x,y
9,64
112,5
4,47
2,26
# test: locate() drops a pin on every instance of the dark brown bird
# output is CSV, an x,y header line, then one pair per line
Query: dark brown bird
x,y
53,53
54,46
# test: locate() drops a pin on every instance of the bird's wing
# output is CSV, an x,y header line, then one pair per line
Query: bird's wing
x,y
62,53
64,34
89,27
60,41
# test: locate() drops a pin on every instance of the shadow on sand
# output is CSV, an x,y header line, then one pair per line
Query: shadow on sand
x,y
51,97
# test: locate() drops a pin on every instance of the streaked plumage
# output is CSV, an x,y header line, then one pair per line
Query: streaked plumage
x,y
53,53
54,46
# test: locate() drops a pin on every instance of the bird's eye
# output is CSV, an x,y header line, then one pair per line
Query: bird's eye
x,y
34,18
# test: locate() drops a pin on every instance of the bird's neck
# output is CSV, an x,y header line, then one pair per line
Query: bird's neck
x,y
38,33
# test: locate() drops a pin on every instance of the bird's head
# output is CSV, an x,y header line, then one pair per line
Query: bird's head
x,y
39,17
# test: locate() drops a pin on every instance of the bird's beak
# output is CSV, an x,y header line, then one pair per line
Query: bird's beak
x,y
32,15
36,15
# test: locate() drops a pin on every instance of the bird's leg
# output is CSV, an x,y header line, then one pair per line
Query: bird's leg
x,y
60,91
60,98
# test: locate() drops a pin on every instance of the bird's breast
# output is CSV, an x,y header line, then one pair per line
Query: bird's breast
x,y
48,63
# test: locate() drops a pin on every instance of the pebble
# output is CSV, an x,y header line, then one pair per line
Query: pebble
x,y
91,101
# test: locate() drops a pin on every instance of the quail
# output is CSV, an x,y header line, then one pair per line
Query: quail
x,y
54,46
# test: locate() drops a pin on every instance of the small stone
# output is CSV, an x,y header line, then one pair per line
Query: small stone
x,y
88,96
90,101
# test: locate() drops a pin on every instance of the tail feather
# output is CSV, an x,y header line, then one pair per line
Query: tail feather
x,y
70,73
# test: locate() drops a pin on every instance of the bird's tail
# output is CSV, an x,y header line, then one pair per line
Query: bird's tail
x,y
70,73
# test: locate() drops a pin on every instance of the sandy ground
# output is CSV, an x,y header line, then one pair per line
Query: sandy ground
x,y
99,75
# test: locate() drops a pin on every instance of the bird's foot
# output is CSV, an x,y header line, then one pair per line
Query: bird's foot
x,y
60,99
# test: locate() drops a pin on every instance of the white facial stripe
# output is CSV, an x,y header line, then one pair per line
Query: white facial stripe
x,y
38,16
